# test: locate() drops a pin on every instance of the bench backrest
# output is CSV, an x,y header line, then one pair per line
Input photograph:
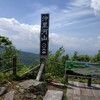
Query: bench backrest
x,y
84,68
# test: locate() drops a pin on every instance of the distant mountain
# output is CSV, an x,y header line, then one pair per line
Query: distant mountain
x,y
27,58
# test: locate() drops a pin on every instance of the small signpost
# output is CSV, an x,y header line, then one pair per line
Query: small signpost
x,y
44,36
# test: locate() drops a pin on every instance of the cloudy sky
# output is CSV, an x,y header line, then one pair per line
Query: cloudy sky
x,y
74,24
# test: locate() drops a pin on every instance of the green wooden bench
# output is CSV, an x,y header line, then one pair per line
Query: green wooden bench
x,y
82,69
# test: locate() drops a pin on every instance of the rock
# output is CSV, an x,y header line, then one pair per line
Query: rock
x,y
9,96
39,97
29,83
34,96
3,90
21,91
30,96
34,86
17,87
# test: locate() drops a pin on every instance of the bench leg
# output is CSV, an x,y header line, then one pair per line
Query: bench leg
x,y
66,79
89,81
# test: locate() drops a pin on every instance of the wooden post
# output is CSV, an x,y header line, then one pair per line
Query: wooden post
x,y
40,72
89,81
66,79
14,66
43,73
66,76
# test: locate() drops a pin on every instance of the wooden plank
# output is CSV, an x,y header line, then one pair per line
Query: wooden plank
x,y
96,91
77,91
53,95
80,91
77,88
70,91
82,97
86,92
40,72
73,92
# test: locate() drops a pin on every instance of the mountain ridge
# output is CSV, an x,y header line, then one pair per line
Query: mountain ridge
x,y
26,58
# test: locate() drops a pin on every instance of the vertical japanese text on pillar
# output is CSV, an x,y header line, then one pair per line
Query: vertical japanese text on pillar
x,y
44,35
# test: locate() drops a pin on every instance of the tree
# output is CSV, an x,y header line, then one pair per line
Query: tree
x,y
84,58
97,56
64,58
75,56
55,64
5,42
8,51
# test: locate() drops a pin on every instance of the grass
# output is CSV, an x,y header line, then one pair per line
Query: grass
x,y
8,76
23,70
4,77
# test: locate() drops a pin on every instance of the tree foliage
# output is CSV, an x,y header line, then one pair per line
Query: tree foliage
x,y
75,56
8,52
55,62
64,58
5,42
97,57
86,58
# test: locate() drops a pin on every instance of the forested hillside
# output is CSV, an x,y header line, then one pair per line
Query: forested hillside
x,y
27,58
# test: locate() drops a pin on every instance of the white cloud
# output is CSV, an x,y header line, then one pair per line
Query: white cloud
x,y
81,3
98,37
95,4
97,45
72,42
26,37
62,16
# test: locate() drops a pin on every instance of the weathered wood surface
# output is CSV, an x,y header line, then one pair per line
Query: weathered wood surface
x,y
53,95
80,91
40,72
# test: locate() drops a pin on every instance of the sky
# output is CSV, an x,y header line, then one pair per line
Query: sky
x,y
74,24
